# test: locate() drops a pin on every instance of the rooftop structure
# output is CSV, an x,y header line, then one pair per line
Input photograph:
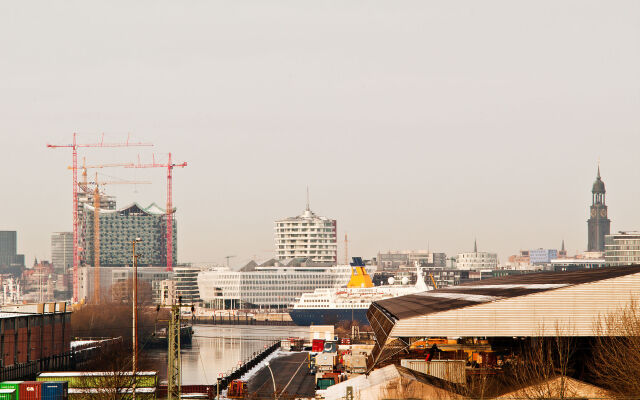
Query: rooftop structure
x,y
528,305
118,228
307,236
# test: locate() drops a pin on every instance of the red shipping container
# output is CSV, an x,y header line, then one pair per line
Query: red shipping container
x,y
30,390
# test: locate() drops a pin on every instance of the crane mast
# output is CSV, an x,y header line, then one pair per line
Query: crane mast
x,y
74,146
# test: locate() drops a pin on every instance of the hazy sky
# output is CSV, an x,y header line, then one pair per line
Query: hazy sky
x,y
413,123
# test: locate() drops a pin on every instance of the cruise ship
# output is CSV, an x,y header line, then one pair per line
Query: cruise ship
x,y
330,306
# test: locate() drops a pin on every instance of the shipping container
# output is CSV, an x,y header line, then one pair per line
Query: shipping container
x,y
324,383
30,390
7,394
15,385
144,379
55,390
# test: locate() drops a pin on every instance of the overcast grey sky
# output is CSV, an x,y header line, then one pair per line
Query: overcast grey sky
x,y
413,122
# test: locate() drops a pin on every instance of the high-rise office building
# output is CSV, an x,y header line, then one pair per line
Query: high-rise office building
x,y
62,251
8,250
307,236
118,228
598,224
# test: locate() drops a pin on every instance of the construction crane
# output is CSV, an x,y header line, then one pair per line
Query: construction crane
x,y
74,151
169,236
96,230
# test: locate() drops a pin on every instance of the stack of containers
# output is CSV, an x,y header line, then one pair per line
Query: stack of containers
x,y
32,390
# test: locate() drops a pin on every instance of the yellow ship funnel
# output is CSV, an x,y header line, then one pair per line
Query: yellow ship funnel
x,y
359,278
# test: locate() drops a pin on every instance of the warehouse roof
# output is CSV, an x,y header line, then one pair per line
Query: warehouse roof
x,y
538,304
487,290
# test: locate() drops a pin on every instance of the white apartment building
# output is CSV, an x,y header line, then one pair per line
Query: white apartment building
x,y
277,286
307,236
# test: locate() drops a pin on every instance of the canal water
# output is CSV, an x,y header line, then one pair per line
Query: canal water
x,y
218,349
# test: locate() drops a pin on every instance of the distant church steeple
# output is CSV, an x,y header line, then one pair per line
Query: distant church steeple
x,y
475,245
598,224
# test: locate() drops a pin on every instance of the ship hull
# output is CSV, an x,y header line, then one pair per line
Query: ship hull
x,y
308,317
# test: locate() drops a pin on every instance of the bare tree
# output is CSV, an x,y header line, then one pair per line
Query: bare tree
x,y
616,355
541,369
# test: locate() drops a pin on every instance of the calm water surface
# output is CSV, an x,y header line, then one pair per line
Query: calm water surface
x,y
218,349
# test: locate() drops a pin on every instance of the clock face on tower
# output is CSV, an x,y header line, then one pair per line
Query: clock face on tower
x,y
603,213
593,212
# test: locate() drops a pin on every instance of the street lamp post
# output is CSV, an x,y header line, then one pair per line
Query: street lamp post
x,y
275,393
135,315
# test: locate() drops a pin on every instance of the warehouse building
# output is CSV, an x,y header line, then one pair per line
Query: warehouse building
x,y
118,228
34,332
529,305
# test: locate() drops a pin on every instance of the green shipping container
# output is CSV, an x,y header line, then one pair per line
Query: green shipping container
x,y
324,383
8,394
15,385
144,379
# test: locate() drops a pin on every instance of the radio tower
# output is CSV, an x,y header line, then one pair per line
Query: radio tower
x,y
169,235
74,154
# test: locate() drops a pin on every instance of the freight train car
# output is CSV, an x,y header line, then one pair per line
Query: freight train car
x,y
144,379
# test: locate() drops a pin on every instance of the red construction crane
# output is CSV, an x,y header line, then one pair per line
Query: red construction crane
x,y
74,149
169,239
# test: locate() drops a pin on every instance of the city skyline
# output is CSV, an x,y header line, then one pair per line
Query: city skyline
x,y
415,125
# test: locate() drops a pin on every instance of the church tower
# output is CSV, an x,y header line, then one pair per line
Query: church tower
x,y
599,223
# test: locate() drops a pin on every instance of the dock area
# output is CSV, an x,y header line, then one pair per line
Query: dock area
x,y
291,373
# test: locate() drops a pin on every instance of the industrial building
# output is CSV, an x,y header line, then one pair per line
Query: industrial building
x,y
8,250
622,248
33,332
307,236
119,278
62,251
545,304
118,228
